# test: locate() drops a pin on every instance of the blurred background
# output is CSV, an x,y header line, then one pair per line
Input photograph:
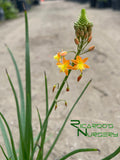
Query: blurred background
x,y
51,30
10,8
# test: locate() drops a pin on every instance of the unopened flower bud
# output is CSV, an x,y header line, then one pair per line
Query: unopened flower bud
x,y
56,106
67,89
89,39
77,34
65,103
89,33
86,35
79,77
82,26
85,29
63,53
53,88
91,48
89,29
76,41
82,33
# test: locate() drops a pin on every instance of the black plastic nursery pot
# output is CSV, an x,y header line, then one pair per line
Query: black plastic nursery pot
x,y
93,3
21,4
101,4
36,2
82,1
116,4
109,3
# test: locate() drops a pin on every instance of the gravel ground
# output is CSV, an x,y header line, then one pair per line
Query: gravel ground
x,y
51,30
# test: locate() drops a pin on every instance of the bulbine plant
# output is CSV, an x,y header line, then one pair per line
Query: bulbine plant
x,y
33,148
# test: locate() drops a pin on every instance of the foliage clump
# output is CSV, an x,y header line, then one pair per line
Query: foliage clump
x,y
10,11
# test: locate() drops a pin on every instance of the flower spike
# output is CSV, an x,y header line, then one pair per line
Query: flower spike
x,y
83,27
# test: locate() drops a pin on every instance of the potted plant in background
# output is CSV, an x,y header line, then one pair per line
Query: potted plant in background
x,y
83,1
1,14
9,9
116,4
102,3
93,3
109,3
36,2
23,3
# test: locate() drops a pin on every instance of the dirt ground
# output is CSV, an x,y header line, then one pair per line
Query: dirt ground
x,y
51,30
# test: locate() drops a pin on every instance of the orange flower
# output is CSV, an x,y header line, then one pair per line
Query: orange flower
x,y
57,57
79,63
64,66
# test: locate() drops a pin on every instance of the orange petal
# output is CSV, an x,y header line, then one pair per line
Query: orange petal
x,y
58,63
70,67
74,61
67,62
66,72
86,66
64,60
85,59
79,58
74,67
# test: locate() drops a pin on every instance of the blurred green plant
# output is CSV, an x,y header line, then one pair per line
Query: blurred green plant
x,y
27,145
10,11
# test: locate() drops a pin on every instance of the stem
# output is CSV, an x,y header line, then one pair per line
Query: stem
x,y
66,121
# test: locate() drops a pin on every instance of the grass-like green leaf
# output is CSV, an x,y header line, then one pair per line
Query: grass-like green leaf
x,y
4,153
19,119
6,139
11,137
28,125
66,121
40,121
40,153
77,151
22,115
20,90
115,153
